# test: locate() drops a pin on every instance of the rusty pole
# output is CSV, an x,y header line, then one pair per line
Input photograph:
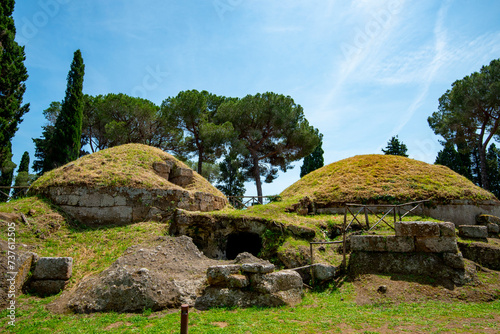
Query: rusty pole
x,y
184,318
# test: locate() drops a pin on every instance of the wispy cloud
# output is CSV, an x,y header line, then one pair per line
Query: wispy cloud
x,y
440,46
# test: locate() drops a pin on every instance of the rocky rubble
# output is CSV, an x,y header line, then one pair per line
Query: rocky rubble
x,y
250,284
172,271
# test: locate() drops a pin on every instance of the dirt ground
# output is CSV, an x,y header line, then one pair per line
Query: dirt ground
x,y
395,289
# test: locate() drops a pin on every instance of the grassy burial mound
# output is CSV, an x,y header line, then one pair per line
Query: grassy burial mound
x,y
379,179
127,183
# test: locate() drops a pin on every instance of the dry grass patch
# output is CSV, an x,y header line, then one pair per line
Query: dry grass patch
x,y
128,165
384,179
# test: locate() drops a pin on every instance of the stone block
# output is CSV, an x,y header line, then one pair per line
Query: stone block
x,y
181,172
53,268
237,281
447,229
473,231
368,243
436,244
400,244
48,287
324,272
257,268
493,228
486,219
454,260
163,168
219,275
417,229
283,280
24,263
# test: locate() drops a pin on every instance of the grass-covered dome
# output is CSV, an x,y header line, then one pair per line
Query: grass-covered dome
x,y
384,179
129,165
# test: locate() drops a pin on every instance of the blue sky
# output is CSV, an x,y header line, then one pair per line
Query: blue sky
x,y
363,70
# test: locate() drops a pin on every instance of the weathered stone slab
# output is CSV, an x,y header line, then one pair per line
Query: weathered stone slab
x,y
368,243
482,253
493,228
400,244
257,268
436,244
48,287
216,297
324,272
426,264
181,176
454,260
380,243
473,231
447,229
417,229
487,219
237,281
53,268
277,281
220,275
163,168
24,263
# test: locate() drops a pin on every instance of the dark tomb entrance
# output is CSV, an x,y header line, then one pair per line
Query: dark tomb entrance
x,y
243,242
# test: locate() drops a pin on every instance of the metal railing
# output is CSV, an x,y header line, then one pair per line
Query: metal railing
x,y
395,209
243,202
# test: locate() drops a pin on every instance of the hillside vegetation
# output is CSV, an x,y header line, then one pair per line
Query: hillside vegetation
x,y
128,165
384,179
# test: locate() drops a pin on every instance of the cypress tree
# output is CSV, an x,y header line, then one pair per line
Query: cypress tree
x,y
25,163
65,141
23,177
314,160
6,173
13,74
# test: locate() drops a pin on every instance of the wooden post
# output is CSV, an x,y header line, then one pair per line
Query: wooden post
x,y
366,218
344,239
312,262
184,318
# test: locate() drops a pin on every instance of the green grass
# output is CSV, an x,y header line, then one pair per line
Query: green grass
x,y
92,249
331,311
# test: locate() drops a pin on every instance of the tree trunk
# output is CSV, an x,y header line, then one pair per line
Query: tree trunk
x,y
200,161
483,172
256,175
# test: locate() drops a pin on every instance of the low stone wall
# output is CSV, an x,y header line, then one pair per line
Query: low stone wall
x,y
122,205
482,253
460,212
417,248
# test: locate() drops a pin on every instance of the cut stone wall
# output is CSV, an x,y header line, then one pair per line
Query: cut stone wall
x,y
122,205
417,248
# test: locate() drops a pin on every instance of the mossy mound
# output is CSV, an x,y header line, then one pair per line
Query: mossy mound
x,y
129,165
380,179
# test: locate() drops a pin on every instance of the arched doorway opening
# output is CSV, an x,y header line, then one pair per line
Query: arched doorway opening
x,y
243,242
